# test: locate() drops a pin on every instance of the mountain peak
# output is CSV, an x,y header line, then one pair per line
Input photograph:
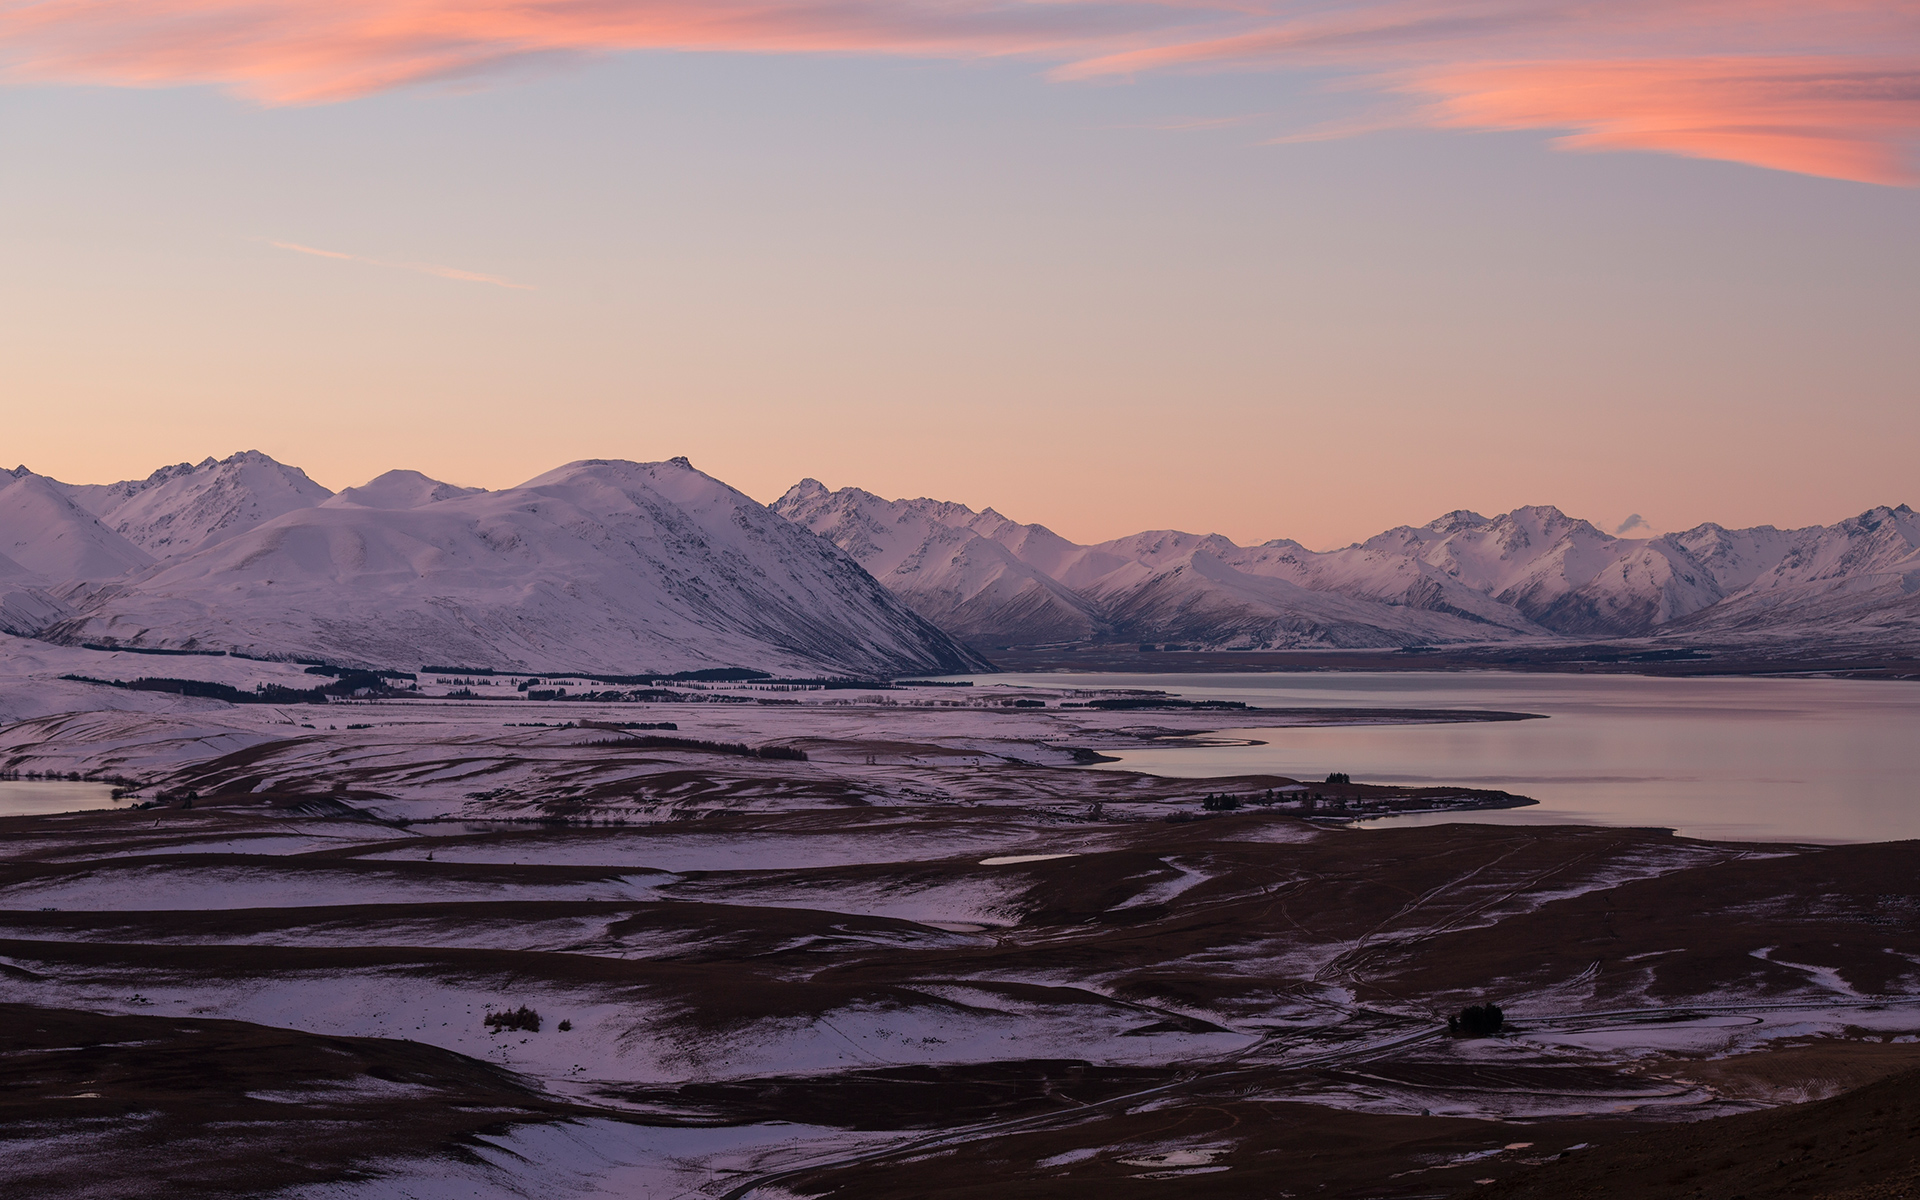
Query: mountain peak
x,y
397,489
601,563
188,506
1458,519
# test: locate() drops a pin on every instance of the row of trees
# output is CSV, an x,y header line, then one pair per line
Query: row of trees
x,y
1227,802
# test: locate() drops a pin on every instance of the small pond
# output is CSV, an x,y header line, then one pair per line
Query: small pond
x,y
34,797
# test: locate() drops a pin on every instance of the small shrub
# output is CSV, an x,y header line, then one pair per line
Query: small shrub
x,y
564,1026
519,1018
1479,1020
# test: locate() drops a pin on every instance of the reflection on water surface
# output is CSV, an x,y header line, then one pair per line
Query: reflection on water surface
x,y
33,797
1828,760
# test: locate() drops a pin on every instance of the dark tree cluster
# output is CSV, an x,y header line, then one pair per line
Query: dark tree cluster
x,y
783,753
522,1018
1478,1020
349,683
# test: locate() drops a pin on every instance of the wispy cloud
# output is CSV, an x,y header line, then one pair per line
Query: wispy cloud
x,y
1198,124
423,268
1829,88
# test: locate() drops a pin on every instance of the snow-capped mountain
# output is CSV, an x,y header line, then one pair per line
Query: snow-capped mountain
x,y
600,565
1859,578
1533,572
618,567
1560,572
958,568
180,509
966,572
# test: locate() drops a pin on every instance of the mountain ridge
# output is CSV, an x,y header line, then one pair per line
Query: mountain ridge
x,y
1534,572
599,564
632,567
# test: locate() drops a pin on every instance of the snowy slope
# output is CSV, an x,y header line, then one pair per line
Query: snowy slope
x,y
25,605
598,566
1464,577
25,611
996,582
964,571
1859,579
398,489
1561,572
180,509
1736,557
1202,598
45,532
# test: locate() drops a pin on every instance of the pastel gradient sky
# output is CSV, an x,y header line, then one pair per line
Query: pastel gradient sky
x,y
1259,267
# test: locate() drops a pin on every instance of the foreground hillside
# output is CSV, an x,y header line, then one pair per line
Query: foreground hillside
x,y
1529,574
1864,1145
600,565
931,958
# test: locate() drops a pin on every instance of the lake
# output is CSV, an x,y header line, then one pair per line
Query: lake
x,y
35,797
1821,760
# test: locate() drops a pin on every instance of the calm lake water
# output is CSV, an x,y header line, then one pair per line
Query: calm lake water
x,y
1824,760
32,797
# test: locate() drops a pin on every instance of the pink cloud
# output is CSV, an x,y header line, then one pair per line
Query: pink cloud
x,y
1842,118
304,51
1828,89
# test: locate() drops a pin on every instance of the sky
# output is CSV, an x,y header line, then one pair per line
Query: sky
x,y
1254,267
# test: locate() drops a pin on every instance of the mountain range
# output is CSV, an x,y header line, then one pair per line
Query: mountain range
x,y
1532,573
631,568
596,566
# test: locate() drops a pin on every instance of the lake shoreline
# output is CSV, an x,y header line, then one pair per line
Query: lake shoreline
x,y
1582,658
